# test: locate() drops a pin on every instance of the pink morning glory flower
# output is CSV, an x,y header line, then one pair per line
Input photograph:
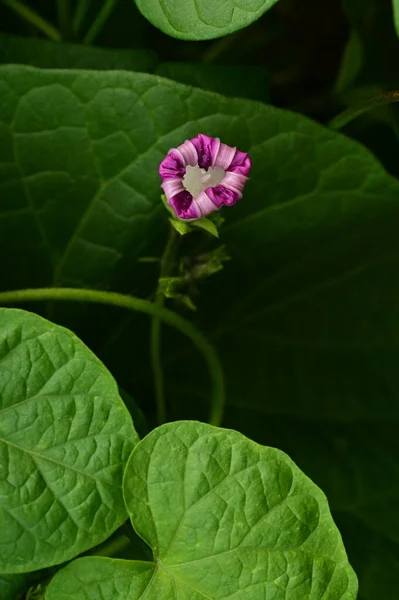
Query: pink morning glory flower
x,y
202,175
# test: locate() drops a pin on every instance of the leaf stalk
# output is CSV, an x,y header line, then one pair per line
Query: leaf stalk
x,y
355,111
34,19
100,21
140,305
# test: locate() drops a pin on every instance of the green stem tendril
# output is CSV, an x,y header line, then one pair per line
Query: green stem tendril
x,y
100,21
34,18
144,306
80,15
353,112
166,267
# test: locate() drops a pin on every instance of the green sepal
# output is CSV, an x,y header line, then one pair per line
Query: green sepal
x,y
180,226
184,226
207,225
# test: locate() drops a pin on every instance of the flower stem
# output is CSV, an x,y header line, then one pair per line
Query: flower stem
x,y
144,306
166,266
34,19
100,21
353,112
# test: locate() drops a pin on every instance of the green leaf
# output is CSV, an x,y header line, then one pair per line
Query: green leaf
x,y
239,82
105,578
52,55
225,518
79,187
202,19
11,586
65,436
74,186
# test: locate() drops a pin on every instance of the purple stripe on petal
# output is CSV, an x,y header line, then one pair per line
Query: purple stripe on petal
x,y
241,163
184,206
224,156
172,167
207,149
222,196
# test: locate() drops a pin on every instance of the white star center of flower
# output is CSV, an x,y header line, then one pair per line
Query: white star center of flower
x,y
197,180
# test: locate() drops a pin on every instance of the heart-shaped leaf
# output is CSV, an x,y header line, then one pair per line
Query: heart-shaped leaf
x,y
202,19
225,518
65,436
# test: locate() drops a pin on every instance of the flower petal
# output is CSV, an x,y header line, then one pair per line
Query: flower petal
x,y
221,195
185,206
173,187
172,166
236,181
189,152
241,164
224,157
207,149
205,204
